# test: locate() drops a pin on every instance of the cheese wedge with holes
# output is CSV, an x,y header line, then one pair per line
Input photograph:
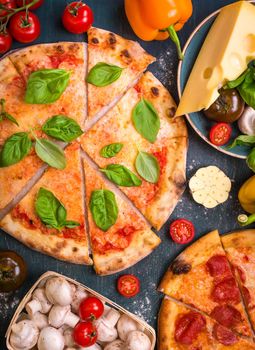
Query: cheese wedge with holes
x,y
228,48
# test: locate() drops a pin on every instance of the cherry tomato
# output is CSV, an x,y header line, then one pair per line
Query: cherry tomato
x,y
5,42
182,231
220,134
77,17
128,285
34,7
25,29
85,334
91,308
10,4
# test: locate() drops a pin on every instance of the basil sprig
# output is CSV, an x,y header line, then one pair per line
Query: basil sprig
x,y
4,114
50,153
147,167
111,150
15,148
104,208
103,74
146,120
51,211
46,85
121,175
62,128
243,140
251,160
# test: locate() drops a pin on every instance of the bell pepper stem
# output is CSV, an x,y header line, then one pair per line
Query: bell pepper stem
x,y
245,220
174,37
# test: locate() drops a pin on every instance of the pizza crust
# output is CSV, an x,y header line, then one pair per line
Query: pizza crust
x,y
244,239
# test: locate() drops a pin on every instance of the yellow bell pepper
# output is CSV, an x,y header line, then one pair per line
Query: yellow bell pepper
x,y
158,19
246,197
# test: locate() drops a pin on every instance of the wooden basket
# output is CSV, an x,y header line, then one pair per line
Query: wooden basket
x,y
148,330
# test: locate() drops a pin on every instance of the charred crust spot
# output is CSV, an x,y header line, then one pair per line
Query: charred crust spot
x,y
59,48
180,183
75,249
125,53
94,40
112,39
73,47
155,91
171,112
180,267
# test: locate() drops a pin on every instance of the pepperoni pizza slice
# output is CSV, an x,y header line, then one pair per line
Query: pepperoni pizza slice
x,y
61,194
155,199
111,49
183,328
119,235
240,249
201,277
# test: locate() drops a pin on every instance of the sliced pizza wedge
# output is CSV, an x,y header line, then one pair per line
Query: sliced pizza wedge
x,y
120,237
50,218
240,249
155,197
182,328
122,62
201,276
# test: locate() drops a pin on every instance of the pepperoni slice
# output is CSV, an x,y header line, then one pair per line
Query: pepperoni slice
x,y
226,291
241,273
246,296
226,315
188,326
224,335
218,265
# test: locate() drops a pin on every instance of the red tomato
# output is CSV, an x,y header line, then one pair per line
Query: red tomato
x,y
182,231
25,29
5,42
85,334
10,4
91,308
77,17
34,7
128,285
220,134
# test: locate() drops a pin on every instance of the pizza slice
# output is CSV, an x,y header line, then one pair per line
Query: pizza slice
x,y
201,277
50,218
182,328
120,237
240,250
119,56
156,198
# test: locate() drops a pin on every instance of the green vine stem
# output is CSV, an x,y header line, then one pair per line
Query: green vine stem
x,y
245,220
174,37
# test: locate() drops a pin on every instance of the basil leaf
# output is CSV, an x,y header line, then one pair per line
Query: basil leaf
x,y
251,160
71,224
111,150
146,120
5,115
50,153
46,86
147,167
103,74
104,208
243,140
16,148
121,175
235,83
62,128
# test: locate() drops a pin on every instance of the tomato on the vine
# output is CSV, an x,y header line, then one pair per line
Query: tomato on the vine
x,y
91,308
85,334
77,17
9,4
5,42
20,3
25,27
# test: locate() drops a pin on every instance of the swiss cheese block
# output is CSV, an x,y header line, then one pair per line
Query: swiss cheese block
x,y
228,48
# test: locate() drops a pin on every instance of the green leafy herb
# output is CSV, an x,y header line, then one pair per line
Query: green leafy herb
x,y
46,86
16,147
251,160
104,208
111,150
103,74
50,153
243,140
4,114
147,167
62,128
146,120
121,175
51,211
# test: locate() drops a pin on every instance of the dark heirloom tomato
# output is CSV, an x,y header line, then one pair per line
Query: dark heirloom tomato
x,y
128,285
228,107
5,42
91,308
77,17
25,27
34,7
13,271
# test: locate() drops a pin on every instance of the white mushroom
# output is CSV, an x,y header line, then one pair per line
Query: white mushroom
x,y
39,303
40,320
106,326
246,122
68,335
79,295
137,340
60,315
50,339
24,335
92,347
115,345
125,326
59,291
